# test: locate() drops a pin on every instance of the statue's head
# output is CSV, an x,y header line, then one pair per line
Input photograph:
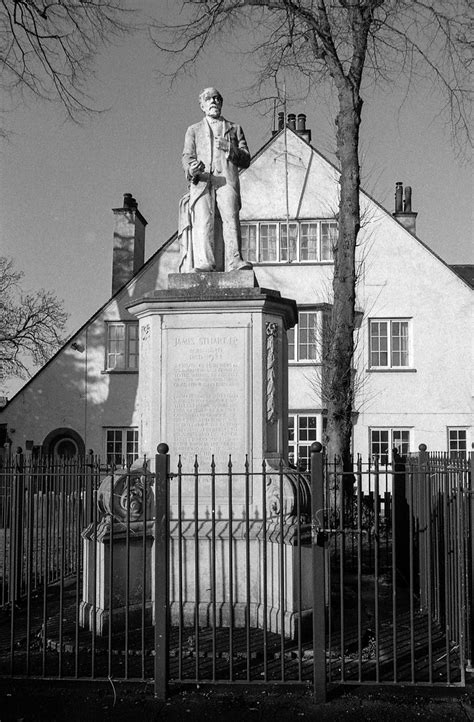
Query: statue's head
x,y
210,101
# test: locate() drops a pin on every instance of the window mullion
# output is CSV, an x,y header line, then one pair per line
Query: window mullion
x,y
125,346
390,344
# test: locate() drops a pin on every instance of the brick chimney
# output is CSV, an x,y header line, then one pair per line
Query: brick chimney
x,y
129,242
403,212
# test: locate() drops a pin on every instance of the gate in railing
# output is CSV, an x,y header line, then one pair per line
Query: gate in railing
x,y
215,575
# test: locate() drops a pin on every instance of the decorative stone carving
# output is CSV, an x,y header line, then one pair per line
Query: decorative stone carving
x,y
123,496
283,487
272,335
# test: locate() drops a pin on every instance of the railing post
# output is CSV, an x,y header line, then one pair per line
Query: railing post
x,y
422,491
402,520
89,491
469,532
161,571
318,536
17,517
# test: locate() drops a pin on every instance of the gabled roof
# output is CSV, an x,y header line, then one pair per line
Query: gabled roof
x,y
464,271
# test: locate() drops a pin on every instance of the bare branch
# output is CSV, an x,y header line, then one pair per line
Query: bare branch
x,y
47,48
31,325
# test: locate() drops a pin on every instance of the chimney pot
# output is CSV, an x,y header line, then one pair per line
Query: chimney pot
x,y
292,121
407,205
281,120
403,212
399,197
301,122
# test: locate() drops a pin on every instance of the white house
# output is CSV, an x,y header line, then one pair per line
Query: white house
x,y
414,356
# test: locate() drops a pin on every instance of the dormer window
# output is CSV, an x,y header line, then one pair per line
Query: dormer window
x,y
289,242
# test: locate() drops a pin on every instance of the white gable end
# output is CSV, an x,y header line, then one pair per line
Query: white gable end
x,y
312,182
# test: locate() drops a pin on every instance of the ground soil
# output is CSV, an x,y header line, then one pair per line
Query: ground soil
x,y
49,701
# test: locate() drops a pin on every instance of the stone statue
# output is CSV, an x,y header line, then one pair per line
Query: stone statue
x,y
214,150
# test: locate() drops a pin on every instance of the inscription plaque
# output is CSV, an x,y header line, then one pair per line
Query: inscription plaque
x,y
206,398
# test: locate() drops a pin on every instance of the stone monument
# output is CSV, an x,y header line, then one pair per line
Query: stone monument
x,y
213,386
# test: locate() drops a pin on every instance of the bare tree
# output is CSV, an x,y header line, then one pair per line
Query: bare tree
x,y
31,324
354,45
47,47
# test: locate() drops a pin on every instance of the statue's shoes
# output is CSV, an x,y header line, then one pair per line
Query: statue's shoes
x,y
207,269
244,266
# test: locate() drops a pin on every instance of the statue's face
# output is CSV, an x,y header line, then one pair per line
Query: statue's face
x,y
211,102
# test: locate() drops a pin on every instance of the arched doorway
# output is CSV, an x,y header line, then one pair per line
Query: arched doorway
x,y
64,443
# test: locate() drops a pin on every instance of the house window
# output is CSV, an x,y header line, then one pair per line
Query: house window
x,y
328,240
288,241
249,242
389,343
122,347
284,242
382,441
268,242
457,442
121,446
309,242
302,339
301,434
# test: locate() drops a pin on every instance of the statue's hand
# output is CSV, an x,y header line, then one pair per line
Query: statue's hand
x,y
222,143
196,167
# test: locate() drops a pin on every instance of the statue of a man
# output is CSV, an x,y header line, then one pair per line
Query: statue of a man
x,y
214,150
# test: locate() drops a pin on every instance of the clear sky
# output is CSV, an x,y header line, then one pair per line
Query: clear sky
x,y
60,181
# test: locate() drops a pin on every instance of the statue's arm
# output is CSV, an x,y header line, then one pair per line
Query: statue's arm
x,y
190,160
239,153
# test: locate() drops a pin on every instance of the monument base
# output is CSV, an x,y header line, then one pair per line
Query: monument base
x,y
278,599
117,579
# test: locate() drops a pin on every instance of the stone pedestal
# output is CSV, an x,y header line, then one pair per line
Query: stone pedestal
x,y
214,369
122,585
213,385
117,577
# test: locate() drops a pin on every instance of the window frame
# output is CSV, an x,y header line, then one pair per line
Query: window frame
x,y
403,446
296,443
458,453
390,345
253,237
130,346
295,342
127,435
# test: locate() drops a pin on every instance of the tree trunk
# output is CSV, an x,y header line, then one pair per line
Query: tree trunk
x,y
339,386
